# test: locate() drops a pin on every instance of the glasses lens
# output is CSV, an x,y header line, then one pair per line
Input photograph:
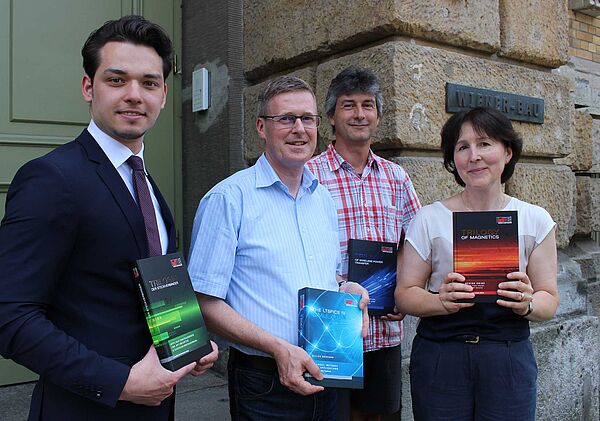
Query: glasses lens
x,y
285,120
309,120
288,120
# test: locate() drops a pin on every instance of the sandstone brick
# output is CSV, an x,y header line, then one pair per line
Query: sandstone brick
x,y
535,31
571,286
585,81
551,187
253,144
588,205
586,54
595,147
586,253
581,135
431,180
414,77
594,297
567,353
585,36
281,34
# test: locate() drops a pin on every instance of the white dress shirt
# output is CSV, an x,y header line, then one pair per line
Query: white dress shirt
x,y
118,154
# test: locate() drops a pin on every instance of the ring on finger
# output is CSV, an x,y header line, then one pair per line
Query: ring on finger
x,y
522,296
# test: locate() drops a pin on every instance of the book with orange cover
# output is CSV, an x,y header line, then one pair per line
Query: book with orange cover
x,y
486,249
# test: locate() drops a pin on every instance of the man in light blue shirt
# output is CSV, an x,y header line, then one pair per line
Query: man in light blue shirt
x,y
259,236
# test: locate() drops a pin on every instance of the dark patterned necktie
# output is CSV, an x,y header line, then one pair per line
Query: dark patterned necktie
x,y
144,201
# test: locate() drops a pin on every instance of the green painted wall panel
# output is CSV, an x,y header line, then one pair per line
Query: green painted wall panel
x,y
14,373
13,157
46,68
2,200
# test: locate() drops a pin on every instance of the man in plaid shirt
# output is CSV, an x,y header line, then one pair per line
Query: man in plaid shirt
x,y
375,201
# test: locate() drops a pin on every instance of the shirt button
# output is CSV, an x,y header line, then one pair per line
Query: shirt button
x,y
310,258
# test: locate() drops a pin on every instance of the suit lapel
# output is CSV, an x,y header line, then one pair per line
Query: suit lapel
x,y
113,181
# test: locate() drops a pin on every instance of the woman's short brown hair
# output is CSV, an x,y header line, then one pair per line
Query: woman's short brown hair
x,y
485,121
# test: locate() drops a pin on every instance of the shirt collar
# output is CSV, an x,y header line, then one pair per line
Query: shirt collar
x,y
116,152
335,160
266,176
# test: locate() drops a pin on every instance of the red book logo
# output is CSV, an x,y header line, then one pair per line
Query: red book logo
x,y
349,302
176,262
387,249
504,220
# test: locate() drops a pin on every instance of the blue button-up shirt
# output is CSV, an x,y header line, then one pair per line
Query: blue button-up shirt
x,y
255,245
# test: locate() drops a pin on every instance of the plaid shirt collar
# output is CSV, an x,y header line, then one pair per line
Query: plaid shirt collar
x,y
335,160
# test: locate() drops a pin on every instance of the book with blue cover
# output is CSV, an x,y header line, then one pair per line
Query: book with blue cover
x,y
329,330
373,265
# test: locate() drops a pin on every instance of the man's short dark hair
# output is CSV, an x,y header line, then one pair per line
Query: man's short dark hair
x,y
278,86
486,122
353,79
133,29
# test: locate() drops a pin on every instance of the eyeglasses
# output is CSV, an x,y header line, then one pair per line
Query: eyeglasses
x,y
309,121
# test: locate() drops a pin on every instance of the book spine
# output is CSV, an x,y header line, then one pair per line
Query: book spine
x,y
455,240
302,323
350,275
144,301
139,283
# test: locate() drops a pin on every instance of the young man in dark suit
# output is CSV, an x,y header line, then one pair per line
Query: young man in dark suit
x,y
68,308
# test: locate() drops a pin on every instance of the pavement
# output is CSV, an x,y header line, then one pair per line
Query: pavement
x,y
198,398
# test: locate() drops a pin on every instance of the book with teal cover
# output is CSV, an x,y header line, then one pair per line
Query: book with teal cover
x,y
171,310
329,330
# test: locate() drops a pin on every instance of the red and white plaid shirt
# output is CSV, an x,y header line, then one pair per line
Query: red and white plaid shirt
x,y
376,205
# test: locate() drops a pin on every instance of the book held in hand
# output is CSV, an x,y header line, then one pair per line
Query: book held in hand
x,y
171,309
486,249
329,330
373,265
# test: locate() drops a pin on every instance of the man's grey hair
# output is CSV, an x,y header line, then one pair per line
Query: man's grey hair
x,y
278,86
353,79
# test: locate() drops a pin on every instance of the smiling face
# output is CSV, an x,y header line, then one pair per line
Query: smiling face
x,y
288,148
479,159
355,118
127,92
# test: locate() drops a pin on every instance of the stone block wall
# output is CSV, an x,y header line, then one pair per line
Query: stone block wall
x,y
535,31
416,48
563,349
285,33
551,187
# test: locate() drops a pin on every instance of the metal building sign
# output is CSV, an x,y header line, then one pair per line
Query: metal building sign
x,y
515,107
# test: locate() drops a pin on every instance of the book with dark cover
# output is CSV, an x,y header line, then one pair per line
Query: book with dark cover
x,y
329,330
172,312
486,249
373,265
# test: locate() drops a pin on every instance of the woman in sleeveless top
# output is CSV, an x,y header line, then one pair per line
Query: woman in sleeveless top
x,y
475,361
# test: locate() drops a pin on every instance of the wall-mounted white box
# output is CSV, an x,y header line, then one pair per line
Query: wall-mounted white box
x,y
200,90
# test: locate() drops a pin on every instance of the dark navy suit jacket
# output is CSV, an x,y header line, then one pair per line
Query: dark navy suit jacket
x,y
68,308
